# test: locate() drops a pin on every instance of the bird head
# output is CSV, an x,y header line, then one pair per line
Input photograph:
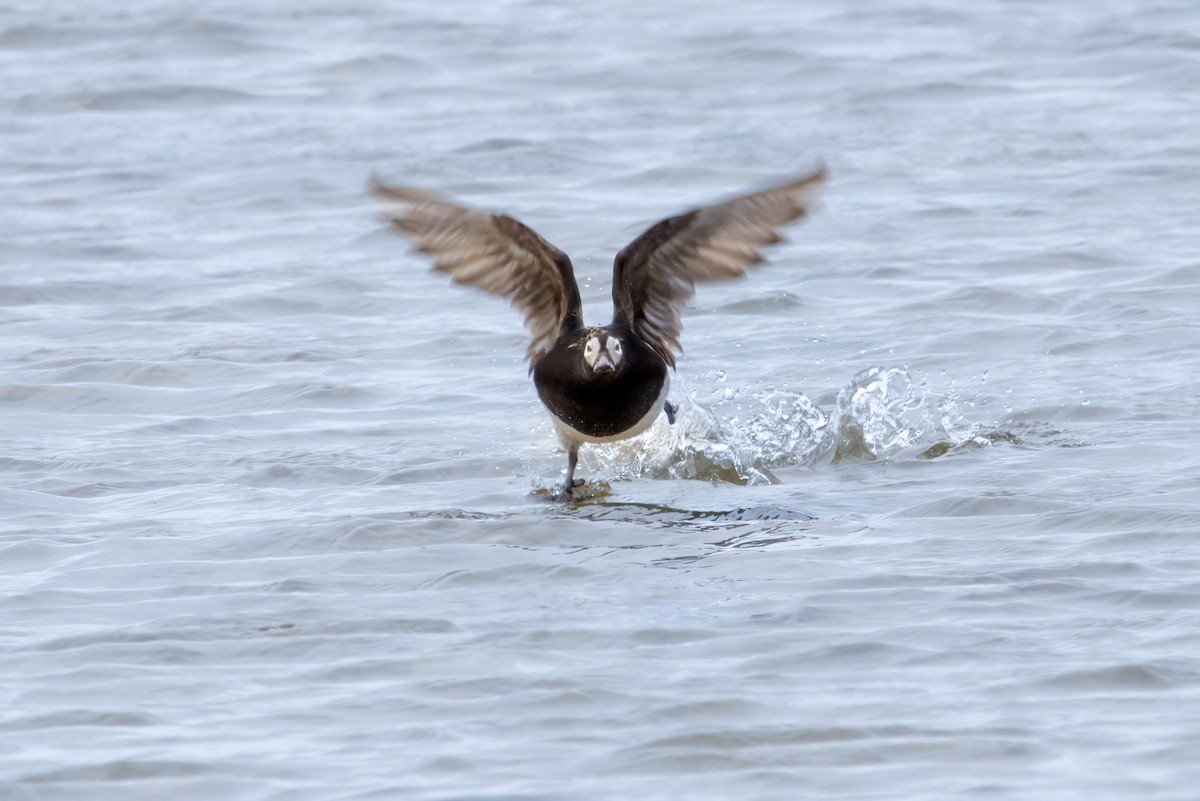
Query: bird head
x,y
602,352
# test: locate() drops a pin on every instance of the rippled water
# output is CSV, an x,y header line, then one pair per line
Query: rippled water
x,y
273,509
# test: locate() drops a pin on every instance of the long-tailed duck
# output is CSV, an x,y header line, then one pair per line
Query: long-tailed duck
x,y
600,383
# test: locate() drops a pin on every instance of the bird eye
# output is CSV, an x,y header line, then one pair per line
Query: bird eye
x,y
616,346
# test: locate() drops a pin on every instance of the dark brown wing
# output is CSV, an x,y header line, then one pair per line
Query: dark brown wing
x,y
656,273
495,253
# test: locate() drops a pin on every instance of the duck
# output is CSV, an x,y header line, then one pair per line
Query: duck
x,y
610,382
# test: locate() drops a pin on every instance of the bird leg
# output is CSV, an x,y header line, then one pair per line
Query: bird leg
x,y
670,409
572,459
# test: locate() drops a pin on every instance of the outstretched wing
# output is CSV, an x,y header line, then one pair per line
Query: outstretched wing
x,y
656,273
495,253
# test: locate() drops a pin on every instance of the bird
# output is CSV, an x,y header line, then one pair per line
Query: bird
x,y
609,382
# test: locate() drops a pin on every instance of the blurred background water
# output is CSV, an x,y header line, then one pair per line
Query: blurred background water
x,y
273,519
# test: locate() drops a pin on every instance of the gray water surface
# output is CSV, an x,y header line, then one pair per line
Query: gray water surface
x,y
274,520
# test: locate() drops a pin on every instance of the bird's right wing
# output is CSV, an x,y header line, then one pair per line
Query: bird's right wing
x,y
493,252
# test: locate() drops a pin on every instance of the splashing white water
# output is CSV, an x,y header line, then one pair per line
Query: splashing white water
x,y
881,413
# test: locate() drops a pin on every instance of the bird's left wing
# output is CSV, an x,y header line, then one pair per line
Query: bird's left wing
x,y
655,274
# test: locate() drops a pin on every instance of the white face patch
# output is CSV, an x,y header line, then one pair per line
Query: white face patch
x,y
613,346
591,351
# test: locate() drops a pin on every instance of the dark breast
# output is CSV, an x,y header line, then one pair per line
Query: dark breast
x,y
599,407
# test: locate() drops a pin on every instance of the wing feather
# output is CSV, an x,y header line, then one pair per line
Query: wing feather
x,y
655,275
493,252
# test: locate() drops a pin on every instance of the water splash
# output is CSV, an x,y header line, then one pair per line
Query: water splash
x,y
879,412
741,437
